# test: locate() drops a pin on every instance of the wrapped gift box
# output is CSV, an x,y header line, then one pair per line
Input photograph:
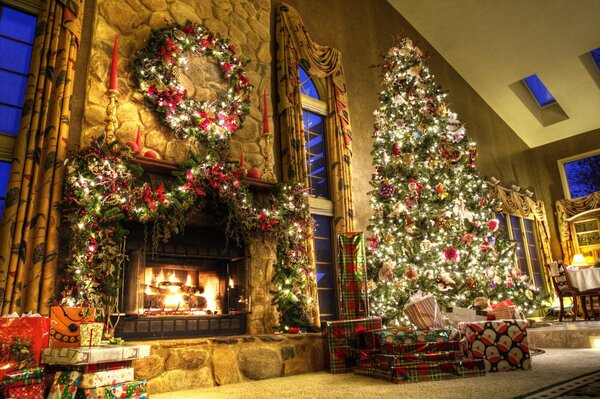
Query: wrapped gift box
x,y
341,338
65,325
33,330
90,334
65,385
108,377
502,344
128,390
32,391
377,338
353,276
383,360
97,354
23,377
421,347
424,372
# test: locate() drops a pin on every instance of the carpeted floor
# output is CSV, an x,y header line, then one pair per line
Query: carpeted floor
x,y
549,368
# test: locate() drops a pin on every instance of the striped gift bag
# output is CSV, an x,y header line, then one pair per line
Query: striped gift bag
x,y
423,311
353,275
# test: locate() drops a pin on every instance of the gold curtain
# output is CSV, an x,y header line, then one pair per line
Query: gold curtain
x,y
524,206
29,227
565,208
295,47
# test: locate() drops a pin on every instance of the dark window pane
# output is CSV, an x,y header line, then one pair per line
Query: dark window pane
x,y
583,176
327,302
307,86
17,24
9,119
1,207
322,250
20,55
316,159
4,173
538,90
12,88
322,226
324,275
518,237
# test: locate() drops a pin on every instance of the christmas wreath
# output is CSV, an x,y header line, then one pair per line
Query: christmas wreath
x,y
158,69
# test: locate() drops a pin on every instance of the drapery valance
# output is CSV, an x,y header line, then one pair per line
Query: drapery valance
x,y
565,208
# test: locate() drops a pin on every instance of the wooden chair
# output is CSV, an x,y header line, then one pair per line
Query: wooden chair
x,y
563,288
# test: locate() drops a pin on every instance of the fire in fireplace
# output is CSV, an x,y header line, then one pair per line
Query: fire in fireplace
x,y
194,285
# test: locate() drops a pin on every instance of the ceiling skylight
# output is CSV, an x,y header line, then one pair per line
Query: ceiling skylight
x,y
596,57
538,90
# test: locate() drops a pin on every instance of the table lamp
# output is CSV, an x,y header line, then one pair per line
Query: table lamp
x,y
579,260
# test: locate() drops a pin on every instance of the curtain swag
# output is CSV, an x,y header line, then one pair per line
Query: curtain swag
x,y
565,208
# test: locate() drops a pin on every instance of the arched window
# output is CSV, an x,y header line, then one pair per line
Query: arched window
x,y
314,115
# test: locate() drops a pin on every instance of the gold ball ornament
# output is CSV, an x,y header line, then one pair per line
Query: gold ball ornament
x,y
470,282
412,274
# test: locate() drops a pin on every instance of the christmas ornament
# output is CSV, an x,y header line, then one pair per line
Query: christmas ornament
x,y
490,273
450,254
411,274
151,154
411,228
432,163
445,282
529,294
398,210
493,224
449,152
254,173
408,160
470,282
387,190
396,149
425,245
481,302
386,272
515,272
468,238
389,239
441,191
412,198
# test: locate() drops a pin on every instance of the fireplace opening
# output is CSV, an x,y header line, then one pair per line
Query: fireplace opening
x,y
194,285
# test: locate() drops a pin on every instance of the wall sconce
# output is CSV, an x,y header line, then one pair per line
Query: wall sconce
x,y
595,341
578,260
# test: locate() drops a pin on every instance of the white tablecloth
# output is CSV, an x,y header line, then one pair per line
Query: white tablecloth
x,y
585,279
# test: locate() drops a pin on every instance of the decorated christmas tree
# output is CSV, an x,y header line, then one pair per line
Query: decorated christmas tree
x,y
434,225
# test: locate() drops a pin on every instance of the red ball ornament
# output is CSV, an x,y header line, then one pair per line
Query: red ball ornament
x,y
151,154
396,149
254,173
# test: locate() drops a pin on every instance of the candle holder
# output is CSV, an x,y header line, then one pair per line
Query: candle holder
x,y
269,172
111,115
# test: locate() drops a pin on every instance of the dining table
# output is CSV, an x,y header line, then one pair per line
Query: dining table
x,y
585,279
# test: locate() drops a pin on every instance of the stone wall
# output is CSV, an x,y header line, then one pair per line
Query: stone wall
x,y
245,22
196,363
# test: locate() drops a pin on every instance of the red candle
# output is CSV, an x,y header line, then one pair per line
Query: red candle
x,y
138,138
113,68
241,158
265,115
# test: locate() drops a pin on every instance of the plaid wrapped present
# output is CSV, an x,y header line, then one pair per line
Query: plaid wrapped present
x,y
108,377
341,337
421,347
422,372
377,338
472,368
16,378
65,385
353,275
31,391
128,390
502,344
383,360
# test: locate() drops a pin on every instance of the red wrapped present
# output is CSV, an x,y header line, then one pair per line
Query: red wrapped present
x,y
424,371
341,338
353,275
30,333
502,344
376,338
32,391
19,378
384,360
502,310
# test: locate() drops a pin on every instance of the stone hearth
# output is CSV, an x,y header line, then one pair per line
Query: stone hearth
x,y
175,365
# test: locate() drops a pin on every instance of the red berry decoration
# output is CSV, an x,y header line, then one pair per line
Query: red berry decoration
x,y
254,174
387,190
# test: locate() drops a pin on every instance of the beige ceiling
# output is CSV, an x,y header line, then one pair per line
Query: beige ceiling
x,y
495,43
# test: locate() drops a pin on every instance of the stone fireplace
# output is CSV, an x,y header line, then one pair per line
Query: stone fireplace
x,y
192,286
